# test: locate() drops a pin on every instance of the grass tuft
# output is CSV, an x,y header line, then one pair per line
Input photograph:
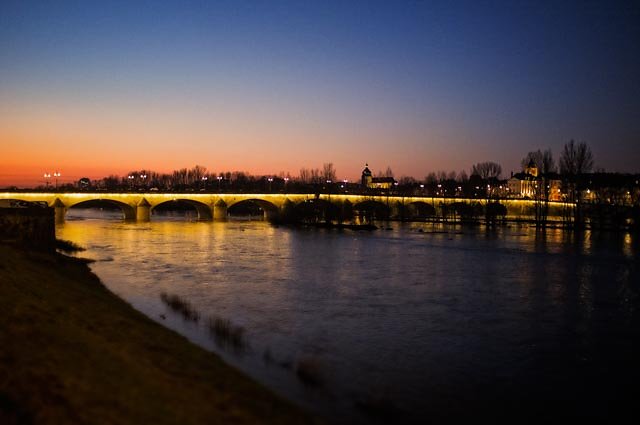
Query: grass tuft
x,y
180,305
227,334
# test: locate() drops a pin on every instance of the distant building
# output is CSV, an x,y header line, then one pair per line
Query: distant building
x,y
611,188
382,182
527,183
371,182
84,183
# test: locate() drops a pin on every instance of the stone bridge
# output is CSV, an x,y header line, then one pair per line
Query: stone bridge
x,y
213,206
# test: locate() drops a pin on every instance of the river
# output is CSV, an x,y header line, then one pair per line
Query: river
x,y
408,322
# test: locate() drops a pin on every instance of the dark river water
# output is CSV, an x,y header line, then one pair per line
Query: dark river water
x,y
412,324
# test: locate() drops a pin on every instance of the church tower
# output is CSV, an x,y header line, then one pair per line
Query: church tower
x,y
366,176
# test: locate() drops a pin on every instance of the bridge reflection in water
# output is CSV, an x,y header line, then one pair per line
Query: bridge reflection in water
x,y
139,206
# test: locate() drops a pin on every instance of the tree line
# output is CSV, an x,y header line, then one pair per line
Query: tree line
x,y
573,175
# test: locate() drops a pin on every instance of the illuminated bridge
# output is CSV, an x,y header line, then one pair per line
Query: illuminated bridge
x,y
214,206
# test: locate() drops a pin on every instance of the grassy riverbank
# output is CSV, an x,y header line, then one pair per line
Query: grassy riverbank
x,y
72,352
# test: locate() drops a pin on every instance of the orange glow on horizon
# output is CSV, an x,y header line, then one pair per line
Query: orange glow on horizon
x,y
97,142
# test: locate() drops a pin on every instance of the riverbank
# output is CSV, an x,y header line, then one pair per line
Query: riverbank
x,y
73,352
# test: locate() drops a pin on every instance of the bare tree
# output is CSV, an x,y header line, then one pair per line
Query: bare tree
x,y
316,176
488,171
305,175
576,160
547,168
407,181
328,172
546,165
535,157
196,174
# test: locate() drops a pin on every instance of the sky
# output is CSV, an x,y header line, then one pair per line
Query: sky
x,y
97,88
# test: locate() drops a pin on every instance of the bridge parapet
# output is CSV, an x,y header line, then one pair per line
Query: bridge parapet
x,y
215,206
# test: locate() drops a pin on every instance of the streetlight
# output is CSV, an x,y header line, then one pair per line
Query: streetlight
x,y
47,177
204,181
219,180
56,175
143,178
270,179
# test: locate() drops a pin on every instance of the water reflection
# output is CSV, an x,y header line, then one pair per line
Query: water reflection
x,y
417,321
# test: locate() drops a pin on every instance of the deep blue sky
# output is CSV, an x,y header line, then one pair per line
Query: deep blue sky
x,y
267,86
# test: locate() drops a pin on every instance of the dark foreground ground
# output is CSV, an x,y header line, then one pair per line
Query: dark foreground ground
x,y
72,352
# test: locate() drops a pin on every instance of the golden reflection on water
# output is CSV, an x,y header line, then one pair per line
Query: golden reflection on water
x,y
218,255
627,248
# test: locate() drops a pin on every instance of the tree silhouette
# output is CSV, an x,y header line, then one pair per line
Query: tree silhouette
x,y
576,160
489,171
542,186
328,172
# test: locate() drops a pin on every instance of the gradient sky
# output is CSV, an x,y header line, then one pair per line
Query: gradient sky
x,y
94,88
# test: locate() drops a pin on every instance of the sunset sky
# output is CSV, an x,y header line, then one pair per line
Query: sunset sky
x,y
97,88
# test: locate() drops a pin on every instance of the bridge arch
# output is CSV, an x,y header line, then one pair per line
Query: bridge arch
x,y
463,211
420,209
128,211
369,210
317,210
253,206
203,210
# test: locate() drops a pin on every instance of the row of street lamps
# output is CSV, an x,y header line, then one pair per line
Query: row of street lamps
x,y
143,177
47,177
